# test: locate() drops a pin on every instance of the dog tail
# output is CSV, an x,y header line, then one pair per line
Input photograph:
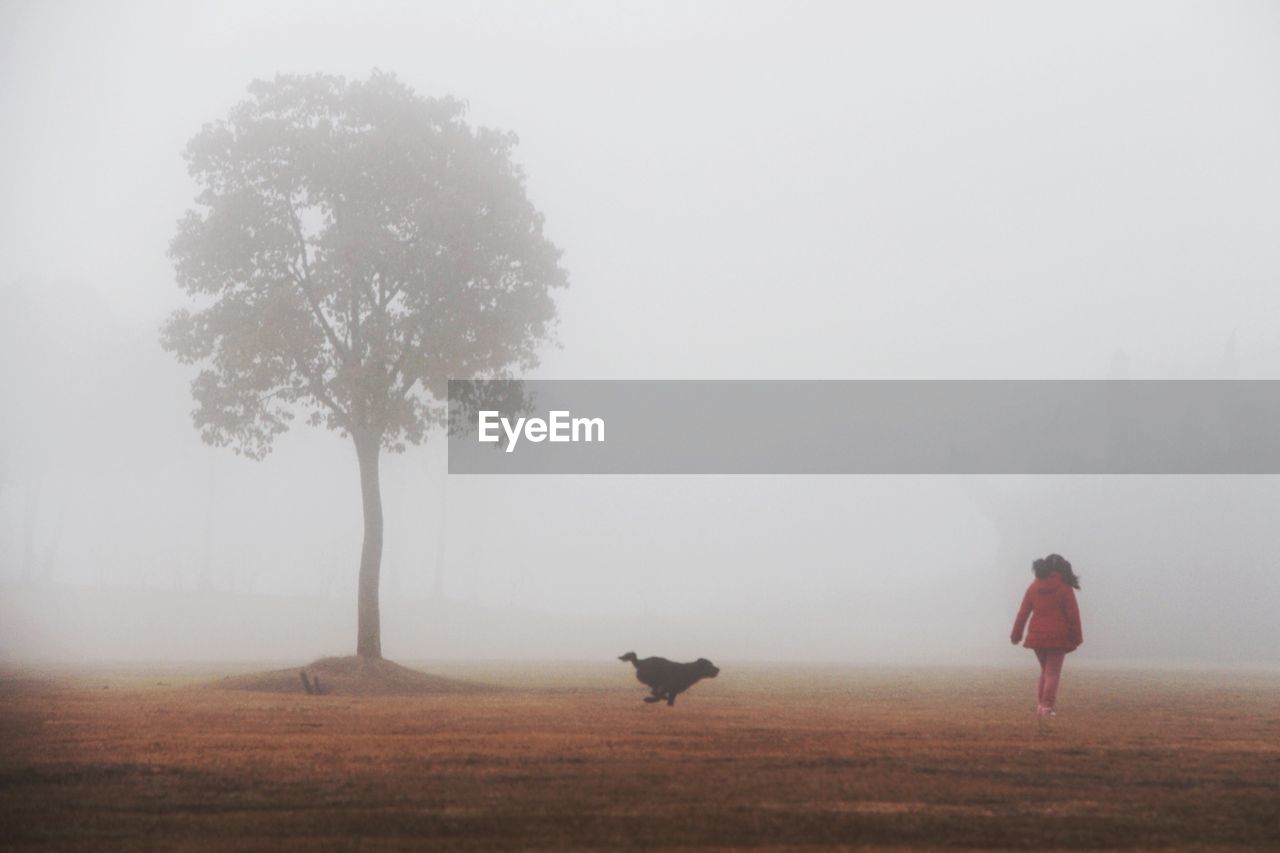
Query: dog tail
x,y
629,656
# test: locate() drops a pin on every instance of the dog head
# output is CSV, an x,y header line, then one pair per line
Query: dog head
x,y
706,669
629,657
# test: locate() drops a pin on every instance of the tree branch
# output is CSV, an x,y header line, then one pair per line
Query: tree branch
x,y
316,385
304,282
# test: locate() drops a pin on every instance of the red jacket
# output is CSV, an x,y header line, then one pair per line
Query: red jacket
x,y
1055,617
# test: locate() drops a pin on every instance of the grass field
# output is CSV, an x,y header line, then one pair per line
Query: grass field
x,y
568,756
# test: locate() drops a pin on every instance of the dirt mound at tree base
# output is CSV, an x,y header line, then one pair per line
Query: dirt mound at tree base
x,y
353,676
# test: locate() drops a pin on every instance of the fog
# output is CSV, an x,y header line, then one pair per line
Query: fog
x,y
754,191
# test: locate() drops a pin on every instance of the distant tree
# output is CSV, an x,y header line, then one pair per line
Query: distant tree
x,y
354,245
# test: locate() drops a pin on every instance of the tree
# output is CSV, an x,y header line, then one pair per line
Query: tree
x,y
353,246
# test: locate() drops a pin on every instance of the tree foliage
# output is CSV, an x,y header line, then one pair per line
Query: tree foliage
x,y
353,246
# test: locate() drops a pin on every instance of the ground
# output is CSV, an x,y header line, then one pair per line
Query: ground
x,y
569,756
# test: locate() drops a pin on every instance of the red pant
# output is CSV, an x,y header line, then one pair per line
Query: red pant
x,y
1050,672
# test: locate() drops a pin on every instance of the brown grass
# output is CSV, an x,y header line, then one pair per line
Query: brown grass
x,y
570,757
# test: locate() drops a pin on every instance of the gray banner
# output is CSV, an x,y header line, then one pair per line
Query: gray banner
x,y
864,427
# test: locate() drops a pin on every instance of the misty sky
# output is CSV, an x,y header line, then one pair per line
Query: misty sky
x,y
994,190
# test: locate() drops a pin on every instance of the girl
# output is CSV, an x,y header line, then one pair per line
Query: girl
x,y
1050,602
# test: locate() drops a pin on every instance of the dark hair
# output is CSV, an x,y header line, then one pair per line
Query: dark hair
x,y
1056,563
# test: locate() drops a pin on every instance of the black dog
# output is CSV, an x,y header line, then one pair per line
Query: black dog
x,y
667,678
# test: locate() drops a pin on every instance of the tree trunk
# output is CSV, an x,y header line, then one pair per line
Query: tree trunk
x,y
29,530
369,623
